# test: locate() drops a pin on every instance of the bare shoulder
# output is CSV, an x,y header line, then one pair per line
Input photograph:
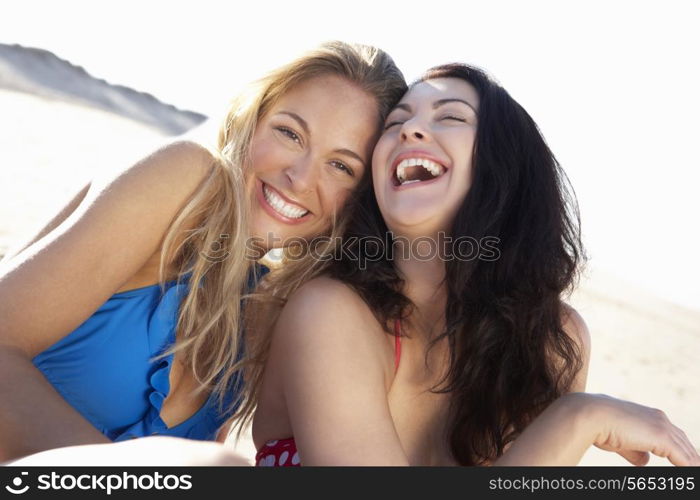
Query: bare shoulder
x,y
327,317
327,293
98,244
325,301
576,328
186,153
180,164
332,366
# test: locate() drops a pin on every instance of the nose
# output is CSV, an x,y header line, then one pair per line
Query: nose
x,y
302,175
414,130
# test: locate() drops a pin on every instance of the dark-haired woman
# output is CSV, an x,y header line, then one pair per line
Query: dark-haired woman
x,y
423,351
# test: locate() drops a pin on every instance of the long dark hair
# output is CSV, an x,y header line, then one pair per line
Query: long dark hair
x,y
509,354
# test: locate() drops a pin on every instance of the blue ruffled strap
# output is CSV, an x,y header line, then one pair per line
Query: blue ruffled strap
x,y
161,335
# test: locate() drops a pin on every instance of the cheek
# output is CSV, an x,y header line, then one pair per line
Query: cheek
x,y
466,155
380,157
333,199
465,179
264,156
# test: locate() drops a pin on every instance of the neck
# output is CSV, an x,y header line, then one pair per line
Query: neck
x,y
424,274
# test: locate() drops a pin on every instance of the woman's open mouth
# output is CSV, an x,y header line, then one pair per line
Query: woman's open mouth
x,y
416,170
279,206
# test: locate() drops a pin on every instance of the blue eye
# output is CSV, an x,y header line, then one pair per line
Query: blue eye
x,y
289,133
343,168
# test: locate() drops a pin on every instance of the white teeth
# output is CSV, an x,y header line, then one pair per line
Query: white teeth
x,y
282,207
434,168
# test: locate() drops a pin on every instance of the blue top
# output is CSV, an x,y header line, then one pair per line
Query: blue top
x,y
104,368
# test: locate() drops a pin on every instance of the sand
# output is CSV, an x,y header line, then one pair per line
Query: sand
x,y
644,350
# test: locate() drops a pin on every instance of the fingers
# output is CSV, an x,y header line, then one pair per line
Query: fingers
x,y
682,452
638,458
628,428
673,445
673,442
694,455
691,452
679,453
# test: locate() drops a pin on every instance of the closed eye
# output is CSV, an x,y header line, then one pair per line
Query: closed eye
x,y
289,133
392,124
453,117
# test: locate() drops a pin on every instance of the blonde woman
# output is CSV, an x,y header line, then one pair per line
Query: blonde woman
x,y
121,318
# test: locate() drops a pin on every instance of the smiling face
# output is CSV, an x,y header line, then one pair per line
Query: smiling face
x,y
422,164
308,153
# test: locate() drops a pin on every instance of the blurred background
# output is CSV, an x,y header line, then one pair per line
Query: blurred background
x,y
87,86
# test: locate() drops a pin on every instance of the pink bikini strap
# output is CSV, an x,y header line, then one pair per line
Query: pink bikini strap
x,y
397,344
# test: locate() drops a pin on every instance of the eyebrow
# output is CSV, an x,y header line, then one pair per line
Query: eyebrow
x,y
298,119
343,151
352,154
436,104
442,102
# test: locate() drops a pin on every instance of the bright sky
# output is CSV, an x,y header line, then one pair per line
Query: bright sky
x,y
613,86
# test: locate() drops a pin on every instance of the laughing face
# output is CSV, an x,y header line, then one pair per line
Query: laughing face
x,y
308,153
422,164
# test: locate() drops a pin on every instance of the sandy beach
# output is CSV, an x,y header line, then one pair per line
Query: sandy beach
x,y
644,349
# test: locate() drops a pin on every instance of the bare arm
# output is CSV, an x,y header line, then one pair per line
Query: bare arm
x,y
565,430
54,284
34,416
576,328
334,378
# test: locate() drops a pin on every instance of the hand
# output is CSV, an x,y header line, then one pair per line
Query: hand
x,y
633,431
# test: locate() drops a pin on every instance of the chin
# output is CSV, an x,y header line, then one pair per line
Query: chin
x,y
412,228
409,216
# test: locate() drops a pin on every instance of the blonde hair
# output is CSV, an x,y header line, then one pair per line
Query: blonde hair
x,y
263,309
209,322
